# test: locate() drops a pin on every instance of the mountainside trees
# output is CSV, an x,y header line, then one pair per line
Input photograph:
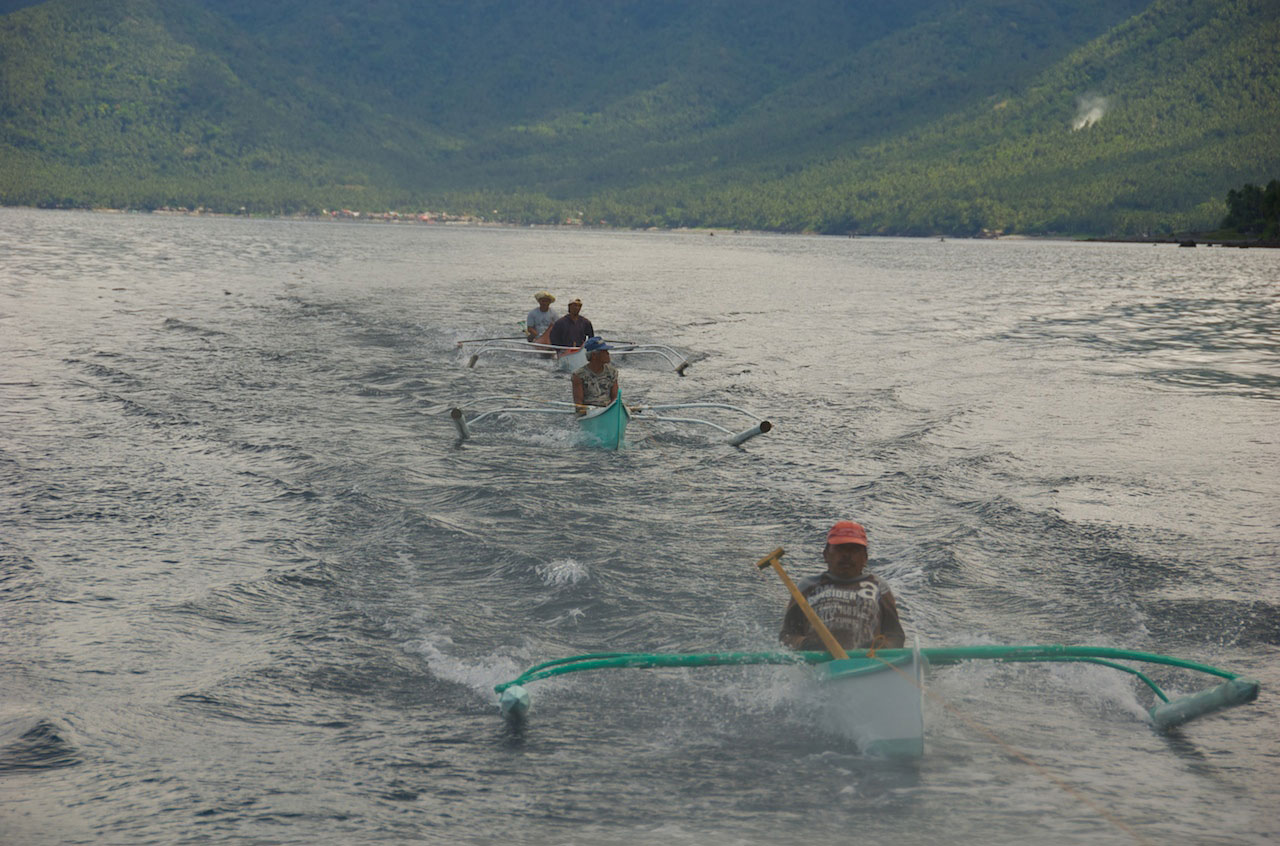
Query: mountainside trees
x,y
924,116
1254,211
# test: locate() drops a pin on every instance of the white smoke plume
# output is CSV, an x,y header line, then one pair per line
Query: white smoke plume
x,y
1089,110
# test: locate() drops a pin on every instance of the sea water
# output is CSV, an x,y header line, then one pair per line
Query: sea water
x,y
253,590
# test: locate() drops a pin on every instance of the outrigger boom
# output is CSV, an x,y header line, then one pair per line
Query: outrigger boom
x,y
571,358
652,413
514,700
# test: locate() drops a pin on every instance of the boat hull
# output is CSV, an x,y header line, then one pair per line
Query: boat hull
x,y
878,704
605,427
571,361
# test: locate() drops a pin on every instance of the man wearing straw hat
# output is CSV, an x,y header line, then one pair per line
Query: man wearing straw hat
x,y
539,320
854,603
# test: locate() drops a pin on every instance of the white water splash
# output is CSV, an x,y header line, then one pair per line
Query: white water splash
x,y
1089,110
479,674
572,617
562,571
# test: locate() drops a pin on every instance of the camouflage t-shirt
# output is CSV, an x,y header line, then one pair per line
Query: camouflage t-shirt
x,y
597,387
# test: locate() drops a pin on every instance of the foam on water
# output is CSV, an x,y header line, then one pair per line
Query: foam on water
x,y
479,674
562,571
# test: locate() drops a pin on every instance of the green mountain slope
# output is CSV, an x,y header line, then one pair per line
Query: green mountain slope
x,y
127,103
827,115
1141,130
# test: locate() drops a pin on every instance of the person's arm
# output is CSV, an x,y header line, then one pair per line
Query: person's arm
x,y
557,338
890,625
613,389
579,406
794,627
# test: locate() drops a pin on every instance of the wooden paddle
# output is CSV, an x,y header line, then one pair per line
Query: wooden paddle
x,y
828,639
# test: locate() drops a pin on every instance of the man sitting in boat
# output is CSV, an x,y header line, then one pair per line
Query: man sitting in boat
x,y
854,603
573,329
538,322
596,382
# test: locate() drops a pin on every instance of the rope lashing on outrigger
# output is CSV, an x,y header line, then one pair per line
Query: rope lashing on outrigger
x,y
1235,690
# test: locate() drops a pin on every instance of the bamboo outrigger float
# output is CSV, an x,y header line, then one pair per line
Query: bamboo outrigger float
x,y
605,427
571,358
878,694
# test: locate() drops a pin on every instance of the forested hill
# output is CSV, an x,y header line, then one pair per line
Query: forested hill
x,y
918,116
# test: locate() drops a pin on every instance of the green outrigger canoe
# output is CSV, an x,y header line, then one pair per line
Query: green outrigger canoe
x,y
880,690
876,696
606,427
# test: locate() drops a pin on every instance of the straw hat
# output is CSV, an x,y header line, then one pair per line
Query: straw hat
x,y
543,295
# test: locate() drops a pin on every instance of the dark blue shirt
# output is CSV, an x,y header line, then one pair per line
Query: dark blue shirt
x,y
567,332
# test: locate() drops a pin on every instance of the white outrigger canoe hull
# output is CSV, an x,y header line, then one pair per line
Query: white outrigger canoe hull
x,y
876,703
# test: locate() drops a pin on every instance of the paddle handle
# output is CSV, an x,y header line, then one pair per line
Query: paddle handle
x,y
828,639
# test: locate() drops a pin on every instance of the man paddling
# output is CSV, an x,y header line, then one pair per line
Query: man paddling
x,y
596,382
854,603
573,329
539,320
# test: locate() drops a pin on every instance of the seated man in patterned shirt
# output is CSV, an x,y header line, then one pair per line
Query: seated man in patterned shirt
x,y
596,382
854,603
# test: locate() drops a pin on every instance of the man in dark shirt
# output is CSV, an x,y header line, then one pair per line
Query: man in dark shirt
x,y
573,329
854,603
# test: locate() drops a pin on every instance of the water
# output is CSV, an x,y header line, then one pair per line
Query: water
x,y
253,591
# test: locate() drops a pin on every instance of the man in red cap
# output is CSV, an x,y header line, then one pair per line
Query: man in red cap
x,y
854,603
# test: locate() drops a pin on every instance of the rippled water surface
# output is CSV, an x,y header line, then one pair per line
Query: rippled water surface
x,y
253,590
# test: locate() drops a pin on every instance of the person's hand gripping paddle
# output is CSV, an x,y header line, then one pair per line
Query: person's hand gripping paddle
x,y
828,639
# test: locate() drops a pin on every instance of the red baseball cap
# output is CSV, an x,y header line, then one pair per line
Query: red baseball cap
x,y
847,532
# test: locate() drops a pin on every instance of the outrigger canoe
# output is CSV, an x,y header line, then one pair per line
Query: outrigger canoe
x,y
605,428
878,692
876,696
570,358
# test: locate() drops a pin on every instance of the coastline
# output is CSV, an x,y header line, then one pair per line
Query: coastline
x,y
1195,240
445,219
